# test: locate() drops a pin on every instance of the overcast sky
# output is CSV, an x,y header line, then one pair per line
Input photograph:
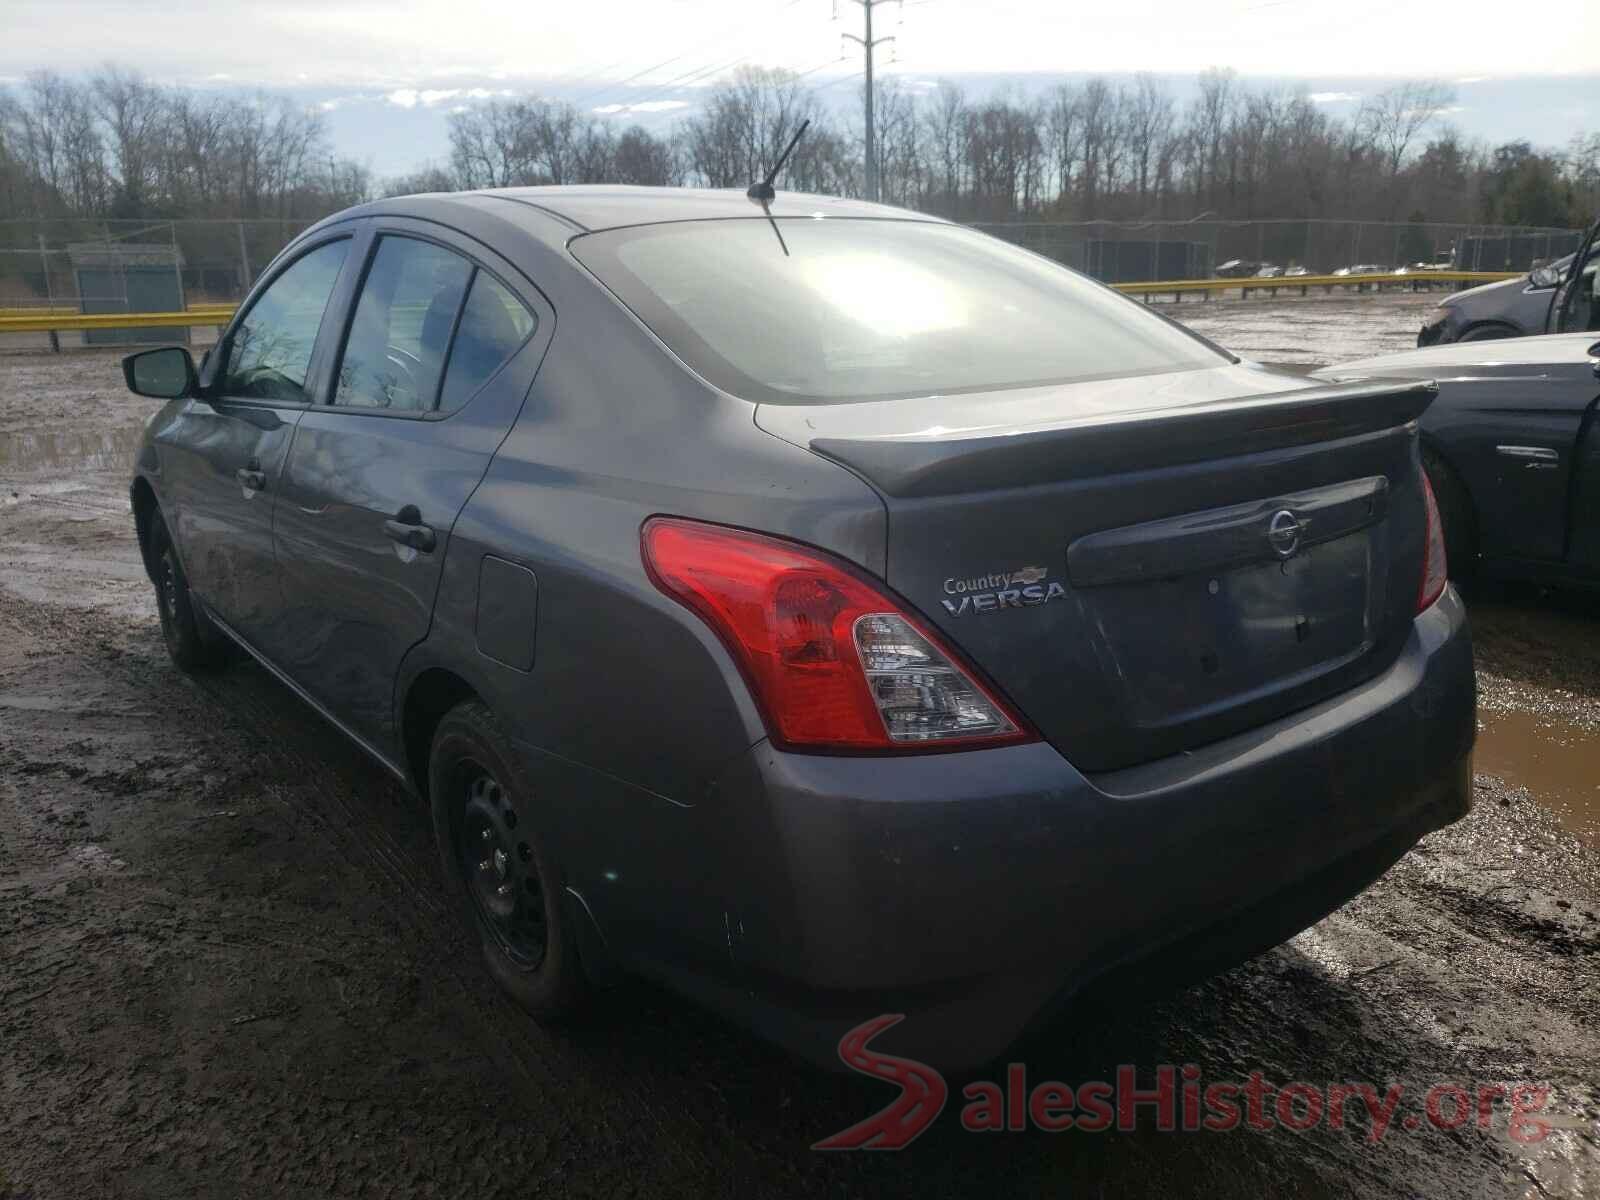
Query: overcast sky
x,y
370,63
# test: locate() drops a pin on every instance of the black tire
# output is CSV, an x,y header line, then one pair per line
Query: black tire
x,y
191,641
1455,514
1488,333
509,889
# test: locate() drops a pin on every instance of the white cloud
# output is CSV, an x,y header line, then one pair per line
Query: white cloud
x,y
1333,97
431,97
1466,79
646,106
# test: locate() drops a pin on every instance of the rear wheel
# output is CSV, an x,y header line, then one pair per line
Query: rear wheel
x,y
509,888
1455,515
191,641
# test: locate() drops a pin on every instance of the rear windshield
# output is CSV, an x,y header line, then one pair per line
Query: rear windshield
x,y
869,310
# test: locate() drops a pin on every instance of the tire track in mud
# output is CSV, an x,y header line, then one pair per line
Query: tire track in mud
x,y
316,779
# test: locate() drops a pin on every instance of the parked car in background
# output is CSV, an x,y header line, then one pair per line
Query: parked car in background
x,y
1512,307
1512,448
1297,271
1269,271
820,608
1363,269
1237,268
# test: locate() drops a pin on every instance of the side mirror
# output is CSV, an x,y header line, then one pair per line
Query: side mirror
x,y
164,374
1544,277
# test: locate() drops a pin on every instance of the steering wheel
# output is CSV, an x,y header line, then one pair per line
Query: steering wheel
x,y
405,392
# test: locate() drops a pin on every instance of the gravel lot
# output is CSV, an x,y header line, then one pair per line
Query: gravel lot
x,y
227,965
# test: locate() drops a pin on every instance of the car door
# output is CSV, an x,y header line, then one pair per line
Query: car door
x,y
1583,538
1575,306
1511,428
222,458
439,352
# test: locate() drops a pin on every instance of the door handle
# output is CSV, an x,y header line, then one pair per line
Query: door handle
x,y
406,527
1533,458
251,478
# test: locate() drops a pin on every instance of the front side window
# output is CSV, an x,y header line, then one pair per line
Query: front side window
x,y
838,309
395,352
269,351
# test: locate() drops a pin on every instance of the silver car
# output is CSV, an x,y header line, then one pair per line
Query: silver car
x,y
1529,304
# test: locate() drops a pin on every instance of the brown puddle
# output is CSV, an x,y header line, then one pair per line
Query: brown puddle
x,y
1556,760
112,447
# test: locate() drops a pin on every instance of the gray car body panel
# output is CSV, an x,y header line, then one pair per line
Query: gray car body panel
x,y
1513,305
802,893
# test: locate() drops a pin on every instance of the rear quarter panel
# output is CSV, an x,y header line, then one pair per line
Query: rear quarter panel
x,y
632,708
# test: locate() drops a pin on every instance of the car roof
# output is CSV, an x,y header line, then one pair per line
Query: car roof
x,y
591,207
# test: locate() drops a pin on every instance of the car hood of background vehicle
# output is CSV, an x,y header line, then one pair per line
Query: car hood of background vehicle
x,y
1498,357
1471,296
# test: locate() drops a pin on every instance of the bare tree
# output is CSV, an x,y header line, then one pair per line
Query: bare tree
x,y
641,158
946,124
1064,138
135,111
1392,120
117,144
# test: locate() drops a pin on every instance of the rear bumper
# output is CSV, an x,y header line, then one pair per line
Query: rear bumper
x,y
976,892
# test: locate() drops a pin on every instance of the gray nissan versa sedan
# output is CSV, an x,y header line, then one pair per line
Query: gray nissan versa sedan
x,y
825,610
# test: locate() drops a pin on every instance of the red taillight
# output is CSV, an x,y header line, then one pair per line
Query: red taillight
x,y
1435,570
834,662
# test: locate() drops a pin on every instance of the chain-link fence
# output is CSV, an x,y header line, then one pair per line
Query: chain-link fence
x,y
1137,252
166,266
117,266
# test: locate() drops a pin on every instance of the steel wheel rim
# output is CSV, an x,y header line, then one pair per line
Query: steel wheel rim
x,y
167,594
498,867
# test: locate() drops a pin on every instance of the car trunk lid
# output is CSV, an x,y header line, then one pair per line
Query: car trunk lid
x,y
1148,564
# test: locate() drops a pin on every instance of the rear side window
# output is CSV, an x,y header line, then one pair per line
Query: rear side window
x,y
269,351
400,334
807,311
494,324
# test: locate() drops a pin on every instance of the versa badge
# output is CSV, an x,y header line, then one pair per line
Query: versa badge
x,y
1021,588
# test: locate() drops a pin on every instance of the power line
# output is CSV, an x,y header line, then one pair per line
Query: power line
x,y
717,39
717,70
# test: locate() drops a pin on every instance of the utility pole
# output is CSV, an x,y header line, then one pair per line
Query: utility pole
x,y
867,42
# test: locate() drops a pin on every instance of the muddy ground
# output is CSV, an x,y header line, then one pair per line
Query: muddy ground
x,y
227,965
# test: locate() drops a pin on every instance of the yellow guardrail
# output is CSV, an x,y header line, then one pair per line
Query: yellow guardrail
x,y
1257,283
53,320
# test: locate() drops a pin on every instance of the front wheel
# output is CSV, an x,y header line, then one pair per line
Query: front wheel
x,y
192,645
508,887
1488,333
